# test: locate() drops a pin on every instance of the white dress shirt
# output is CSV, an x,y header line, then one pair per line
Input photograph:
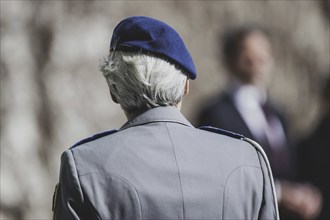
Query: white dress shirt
x,y
249,100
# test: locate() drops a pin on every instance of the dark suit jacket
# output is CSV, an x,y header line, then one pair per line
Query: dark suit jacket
x,y
314,162
222,113
158,166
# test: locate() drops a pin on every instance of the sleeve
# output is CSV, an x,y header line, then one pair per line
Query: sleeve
x,y
269,207
68,196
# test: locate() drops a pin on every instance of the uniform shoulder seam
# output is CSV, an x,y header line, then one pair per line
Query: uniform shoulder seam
x,y
228,177
122,178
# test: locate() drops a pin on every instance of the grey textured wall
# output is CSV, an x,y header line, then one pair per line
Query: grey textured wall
x,y
52,93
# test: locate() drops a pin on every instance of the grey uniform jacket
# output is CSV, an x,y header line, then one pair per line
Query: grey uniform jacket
x,y
158,166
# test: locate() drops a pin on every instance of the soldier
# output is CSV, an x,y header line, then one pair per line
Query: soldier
x,y
157,165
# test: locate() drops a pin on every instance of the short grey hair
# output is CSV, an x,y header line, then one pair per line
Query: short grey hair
x,y
140,82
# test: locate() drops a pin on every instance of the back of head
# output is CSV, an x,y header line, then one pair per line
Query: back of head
x,y
140,82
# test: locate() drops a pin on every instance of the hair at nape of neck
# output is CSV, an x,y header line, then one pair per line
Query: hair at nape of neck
x,y
140,82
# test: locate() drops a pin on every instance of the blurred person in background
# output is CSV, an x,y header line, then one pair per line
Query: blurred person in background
x,y
158,166
314,154
244,108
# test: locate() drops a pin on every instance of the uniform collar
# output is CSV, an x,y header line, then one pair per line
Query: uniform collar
x,y
159,114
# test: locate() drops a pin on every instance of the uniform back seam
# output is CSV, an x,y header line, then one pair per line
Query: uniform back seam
x,y
177,165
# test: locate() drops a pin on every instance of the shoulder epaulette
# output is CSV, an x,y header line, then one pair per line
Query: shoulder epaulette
x,y
94,137
222,131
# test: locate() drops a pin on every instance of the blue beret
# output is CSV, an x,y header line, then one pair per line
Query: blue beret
x,y
152,36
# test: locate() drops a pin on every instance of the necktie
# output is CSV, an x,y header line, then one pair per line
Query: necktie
x,y
278,149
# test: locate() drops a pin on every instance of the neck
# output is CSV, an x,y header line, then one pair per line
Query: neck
x,y
131,115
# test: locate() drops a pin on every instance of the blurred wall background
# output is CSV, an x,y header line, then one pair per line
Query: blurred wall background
x,y
52,93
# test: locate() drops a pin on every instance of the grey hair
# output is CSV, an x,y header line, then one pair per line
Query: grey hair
x,y
141,82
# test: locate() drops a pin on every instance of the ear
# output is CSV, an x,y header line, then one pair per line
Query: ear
x,y
186,87
113,97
